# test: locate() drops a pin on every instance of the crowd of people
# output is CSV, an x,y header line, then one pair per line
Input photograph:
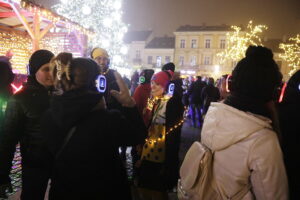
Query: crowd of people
x,y
73,136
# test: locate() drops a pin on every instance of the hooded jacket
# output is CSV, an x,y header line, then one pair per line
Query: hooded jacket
x,y
247,151
89,166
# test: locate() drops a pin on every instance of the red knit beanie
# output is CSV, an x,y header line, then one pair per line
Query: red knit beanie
x,y
162,78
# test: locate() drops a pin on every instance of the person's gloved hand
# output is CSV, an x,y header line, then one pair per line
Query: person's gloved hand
x,y
5,188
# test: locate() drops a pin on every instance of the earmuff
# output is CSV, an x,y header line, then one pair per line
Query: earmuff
x,y
170,87
101,83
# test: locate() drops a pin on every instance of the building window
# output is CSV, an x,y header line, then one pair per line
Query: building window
x,y
193,60
182,43
181,60
206,60
207,43
222,44
158,61
167,59
150,59
194,43
138,54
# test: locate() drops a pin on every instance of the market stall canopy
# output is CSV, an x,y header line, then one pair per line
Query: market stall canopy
x,y
35,20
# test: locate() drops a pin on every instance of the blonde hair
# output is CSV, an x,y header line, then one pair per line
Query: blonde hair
x,y
60,69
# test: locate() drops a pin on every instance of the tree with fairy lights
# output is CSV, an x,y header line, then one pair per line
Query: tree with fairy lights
x,y
104,17
291,53
238,41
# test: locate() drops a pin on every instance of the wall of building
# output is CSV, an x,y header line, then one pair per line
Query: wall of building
x,y
166,55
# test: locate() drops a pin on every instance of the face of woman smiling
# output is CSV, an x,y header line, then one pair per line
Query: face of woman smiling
x,y
156,89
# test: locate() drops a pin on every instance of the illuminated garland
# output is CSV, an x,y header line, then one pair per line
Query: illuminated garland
x,y
291,53
105,18
170,130
238,41
21,47
54,17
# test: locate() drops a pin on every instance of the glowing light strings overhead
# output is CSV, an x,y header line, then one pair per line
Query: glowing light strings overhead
x,y
104,17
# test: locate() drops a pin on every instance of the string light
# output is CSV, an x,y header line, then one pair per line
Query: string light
x,y
105,19
291,53
33,8
173,128
238,41
20,46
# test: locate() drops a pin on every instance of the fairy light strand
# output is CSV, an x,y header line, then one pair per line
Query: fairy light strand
x,y
105,18
153,141
239,40
291,53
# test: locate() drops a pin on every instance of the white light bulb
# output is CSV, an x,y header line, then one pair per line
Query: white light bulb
x,y
64,1
217,69
107,22
124,50
117,5
105,43
120,36
117,59
86,10
117,16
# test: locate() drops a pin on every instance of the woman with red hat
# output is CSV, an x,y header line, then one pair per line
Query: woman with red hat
x,y
158,170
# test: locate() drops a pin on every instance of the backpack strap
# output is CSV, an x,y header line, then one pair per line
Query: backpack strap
x,y
66,141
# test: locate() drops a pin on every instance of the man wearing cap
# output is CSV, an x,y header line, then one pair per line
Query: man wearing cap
x,y
102,58
22,125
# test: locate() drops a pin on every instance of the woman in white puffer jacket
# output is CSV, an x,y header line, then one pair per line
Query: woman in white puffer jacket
x,y
247,151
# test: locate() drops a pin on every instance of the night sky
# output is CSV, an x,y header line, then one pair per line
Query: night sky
x,y
165,16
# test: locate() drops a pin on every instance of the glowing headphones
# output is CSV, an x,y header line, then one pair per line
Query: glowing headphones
x,y
142,79
101,83
170,88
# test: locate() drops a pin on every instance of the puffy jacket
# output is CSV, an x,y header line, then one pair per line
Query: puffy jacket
x,y
247,151
22,124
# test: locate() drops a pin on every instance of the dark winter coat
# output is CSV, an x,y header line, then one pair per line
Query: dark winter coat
x,y
289,110
111,84
89,167
194,92
209,94
22,124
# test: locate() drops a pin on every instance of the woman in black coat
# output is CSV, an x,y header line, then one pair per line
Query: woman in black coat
x,y
88,165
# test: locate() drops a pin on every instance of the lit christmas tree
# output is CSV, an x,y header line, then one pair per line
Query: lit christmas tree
x,y
291,53
104,17
238,41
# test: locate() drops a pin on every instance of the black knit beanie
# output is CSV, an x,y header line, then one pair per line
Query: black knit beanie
x,y
257,75
38,59
168,66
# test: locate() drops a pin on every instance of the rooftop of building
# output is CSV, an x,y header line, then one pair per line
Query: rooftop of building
x,y
165,42
136,36
190,28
